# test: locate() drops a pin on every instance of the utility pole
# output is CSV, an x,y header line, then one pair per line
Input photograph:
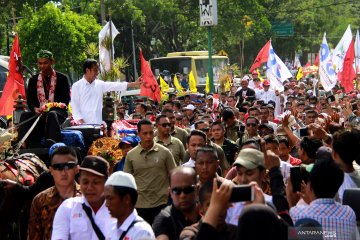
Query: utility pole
x,y
102,12
133,51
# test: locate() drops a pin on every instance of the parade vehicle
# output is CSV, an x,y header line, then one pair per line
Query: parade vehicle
x,y
191,61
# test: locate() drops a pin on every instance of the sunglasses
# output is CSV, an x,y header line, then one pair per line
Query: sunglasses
x,y
62,166
185,190
251,124
165,125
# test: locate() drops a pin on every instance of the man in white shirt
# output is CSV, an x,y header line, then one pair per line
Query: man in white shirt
x,y
196,139
85,217
266,94
87,94
121,196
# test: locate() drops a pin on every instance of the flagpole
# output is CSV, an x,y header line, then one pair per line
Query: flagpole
x,y
111,39
210,67
133,51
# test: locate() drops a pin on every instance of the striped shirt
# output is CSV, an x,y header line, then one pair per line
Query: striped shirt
x,y
332,216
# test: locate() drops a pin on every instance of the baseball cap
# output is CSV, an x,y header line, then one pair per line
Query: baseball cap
x,y
250,159
266,82
190,107
96,165
55,146
128,140
210,97
121,179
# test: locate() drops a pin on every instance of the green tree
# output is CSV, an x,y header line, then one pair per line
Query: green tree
x,y
66,34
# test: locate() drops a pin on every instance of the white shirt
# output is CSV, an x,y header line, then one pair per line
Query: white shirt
x,y
190,163
71,221
285,170
233,212
87,99
140,230
347,183
266,96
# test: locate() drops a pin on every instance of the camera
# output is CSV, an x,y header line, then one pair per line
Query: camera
x,y
242,193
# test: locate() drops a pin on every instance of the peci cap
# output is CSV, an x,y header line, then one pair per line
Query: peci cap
x,y
190,107
121,179
96,165
250,159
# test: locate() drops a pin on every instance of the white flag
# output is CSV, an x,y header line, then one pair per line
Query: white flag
x,y
276,70
297,62
357,52
104,53
341,49
327,73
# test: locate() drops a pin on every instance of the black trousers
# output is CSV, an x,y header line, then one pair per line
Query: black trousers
x,y
148,214
48,127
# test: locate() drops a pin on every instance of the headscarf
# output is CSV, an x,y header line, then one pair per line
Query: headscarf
x,y
45,54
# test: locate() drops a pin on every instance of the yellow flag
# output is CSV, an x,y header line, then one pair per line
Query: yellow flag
x,y
299,74
177,84
228,84
192,82
207,85
164,87
259,75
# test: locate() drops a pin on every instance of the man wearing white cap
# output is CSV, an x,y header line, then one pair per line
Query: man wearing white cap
x,y
121,196
189,112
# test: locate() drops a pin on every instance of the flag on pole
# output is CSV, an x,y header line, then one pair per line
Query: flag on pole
x,y
177,84
14,83
276,70
300,73
343,59
149,88
262,56
192,82
357,52
228,84
105,45
164,87
297,63
207,84
327,73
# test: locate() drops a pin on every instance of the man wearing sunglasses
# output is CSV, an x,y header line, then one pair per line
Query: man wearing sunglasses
x,y
251,129
164,138
183,212
63,168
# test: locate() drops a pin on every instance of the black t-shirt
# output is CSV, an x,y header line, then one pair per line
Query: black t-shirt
x,y
170,222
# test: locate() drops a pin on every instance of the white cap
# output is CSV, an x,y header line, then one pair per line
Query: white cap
x,y
190,107
121,179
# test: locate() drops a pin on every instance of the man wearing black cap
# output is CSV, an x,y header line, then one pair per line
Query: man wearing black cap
x,y
85,217
48,86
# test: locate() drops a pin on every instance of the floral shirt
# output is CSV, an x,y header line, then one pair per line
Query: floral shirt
x,y
43,210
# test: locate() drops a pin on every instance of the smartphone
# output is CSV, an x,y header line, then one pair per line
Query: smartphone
x,y
295,178
242,128
304,132
242,193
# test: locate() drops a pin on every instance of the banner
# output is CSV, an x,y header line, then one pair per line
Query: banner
x,y
327,73
149,87
14,83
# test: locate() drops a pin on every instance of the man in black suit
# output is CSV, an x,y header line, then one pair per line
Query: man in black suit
x,y
245,93
45,87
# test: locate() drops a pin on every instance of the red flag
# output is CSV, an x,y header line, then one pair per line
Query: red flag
x,y
149,87
346,77
14,83
308,64
261,57
317,60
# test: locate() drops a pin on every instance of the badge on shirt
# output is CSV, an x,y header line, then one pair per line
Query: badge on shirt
x,y
76,215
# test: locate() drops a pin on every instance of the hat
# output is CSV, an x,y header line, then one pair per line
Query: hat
x,y
45,54
55,146
290,96
96,165
266,125
190,107
266,82
250,159
246,77
197,101
128,140
210,97
324,153
121,179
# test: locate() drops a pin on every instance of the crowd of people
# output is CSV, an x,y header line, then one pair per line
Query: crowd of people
x,y
256,163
